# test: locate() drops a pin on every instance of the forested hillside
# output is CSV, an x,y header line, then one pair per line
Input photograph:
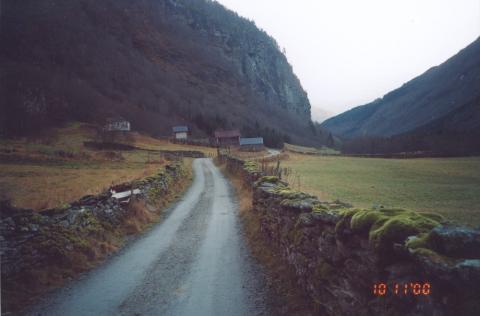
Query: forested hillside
x,y
155,62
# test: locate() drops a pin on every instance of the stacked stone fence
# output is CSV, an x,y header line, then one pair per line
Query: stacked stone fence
x,y
182,153
41,238
208,142
367,261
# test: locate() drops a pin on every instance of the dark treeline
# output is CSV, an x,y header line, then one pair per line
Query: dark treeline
x,y
271,136
208,123
433,144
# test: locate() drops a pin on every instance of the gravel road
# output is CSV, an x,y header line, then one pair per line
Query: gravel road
x,y
273,152
195,262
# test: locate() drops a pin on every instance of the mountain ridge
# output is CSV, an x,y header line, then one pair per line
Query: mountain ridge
x,y
426,98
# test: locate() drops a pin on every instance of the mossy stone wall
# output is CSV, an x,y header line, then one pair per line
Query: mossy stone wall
x,y
339,253
55,236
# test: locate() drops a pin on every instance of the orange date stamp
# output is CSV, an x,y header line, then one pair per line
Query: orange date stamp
x,y
412,288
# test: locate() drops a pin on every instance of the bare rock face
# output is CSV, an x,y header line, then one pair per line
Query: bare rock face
x,y
153,62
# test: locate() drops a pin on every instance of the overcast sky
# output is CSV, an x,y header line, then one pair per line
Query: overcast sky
x,y
349,52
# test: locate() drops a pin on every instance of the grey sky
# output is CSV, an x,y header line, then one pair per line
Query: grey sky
x,y
349,52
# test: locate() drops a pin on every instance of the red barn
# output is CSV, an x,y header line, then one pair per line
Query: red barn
x,y
226,138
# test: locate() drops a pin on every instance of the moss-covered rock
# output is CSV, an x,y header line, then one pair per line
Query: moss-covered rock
x,y
363,220
322,213
251,166
451,241
418,241
343,223
388,226
271,179
432,259
286,192
302,204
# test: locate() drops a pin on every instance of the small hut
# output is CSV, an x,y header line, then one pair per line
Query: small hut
x,y
117,124
251,144
180,132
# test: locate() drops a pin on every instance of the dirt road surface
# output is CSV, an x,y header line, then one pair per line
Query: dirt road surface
x,y
195,262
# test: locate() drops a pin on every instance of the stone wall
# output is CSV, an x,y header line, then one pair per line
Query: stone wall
x,y
339,253
62,237
182,153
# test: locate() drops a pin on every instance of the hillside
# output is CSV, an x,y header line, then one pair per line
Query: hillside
x,y
155,62
444,98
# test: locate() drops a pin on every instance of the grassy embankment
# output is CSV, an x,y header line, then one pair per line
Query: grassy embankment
x,y
55,168
448,186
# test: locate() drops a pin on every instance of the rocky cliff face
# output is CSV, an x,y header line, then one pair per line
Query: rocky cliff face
x,y
254,55
157,63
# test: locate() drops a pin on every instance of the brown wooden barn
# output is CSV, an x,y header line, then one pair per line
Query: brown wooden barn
x,y
227,138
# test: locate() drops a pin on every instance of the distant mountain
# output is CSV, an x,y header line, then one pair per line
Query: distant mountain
x,y
444,98
155,62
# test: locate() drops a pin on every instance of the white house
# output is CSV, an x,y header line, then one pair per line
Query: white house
x,y
180,132
117,124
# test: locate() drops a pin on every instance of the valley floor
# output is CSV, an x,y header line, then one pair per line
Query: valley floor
x,y
448,186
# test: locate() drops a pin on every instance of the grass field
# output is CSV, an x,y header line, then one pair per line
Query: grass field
x,y
449,186
39,186
35,172
310,150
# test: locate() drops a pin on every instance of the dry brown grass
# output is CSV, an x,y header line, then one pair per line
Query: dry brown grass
x,y
147,142
39,186
138,217
34,175
289,298
247,155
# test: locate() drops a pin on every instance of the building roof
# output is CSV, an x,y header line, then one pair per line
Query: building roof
x,y
227,134
180,129
251,141
114,119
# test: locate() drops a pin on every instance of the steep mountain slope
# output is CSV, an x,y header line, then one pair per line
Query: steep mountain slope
x,y
431,97
156,62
